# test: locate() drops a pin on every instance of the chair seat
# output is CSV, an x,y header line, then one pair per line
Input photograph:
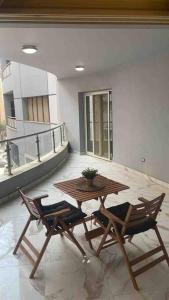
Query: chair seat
x,y
120,211
74,215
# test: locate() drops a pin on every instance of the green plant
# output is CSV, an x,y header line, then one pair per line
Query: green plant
x,y
89,173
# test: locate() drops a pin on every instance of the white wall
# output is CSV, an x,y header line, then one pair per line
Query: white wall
x,y
53,103
26,81
140,95
33,81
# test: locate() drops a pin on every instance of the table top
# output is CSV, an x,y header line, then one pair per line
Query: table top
x,y
70,187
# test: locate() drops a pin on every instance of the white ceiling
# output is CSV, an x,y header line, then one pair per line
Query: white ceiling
x,y
99,49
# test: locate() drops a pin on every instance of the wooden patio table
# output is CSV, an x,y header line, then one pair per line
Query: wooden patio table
x,y
110,187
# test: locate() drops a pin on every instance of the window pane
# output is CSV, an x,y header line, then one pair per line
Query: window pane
x,y
30,111
40,109
89,123
46,109
100,104
35,111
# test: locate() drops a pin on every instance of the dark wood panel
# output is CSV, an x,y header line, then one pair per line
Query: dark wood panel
x,y
76,11
86,4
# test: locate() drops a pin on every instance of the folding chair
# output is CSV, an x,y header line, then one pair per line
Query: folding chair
x,y
59,218
123,222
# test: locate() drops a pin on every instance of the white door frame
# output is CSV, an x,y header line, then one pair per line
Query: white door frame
x,y
90,95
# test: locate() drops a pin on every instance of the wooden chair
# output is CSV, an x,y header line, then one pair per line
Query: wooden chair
x,y
124,221
59,218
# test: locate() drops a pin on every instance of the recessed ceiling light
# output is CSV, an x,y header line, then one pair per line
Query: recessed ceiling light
x,y
29,49
79,68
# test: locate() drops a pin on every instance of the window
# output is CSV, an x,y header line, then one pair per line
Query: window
x,y
6,71
12,109
38,109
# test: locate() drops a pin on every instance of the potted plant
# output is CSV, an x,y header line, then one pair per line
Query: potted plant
x,y
89,174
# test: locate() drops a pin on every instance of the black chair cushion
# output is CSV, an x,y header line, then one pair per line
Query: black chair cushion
x,y
120,211
147,224
74,215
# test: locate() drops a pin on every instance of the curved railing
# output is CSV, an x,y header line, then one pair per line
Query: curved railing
x,y
34,146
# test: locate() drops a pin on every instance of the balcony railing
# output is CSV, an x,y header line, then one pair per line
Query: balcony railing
x,y
33,147
11,122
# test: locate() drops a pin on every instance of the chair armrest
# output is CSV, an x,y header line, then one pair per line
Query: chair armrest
x,y
111,216
57,213
40,197
143,200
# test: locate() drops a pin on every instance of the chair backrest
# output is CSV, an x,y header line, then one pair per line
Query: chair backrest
x,y
139,213
31,205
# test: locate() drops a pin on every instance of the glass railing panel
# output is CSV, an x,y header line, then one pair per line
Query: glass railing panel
x,y
57,134
23,151
45,143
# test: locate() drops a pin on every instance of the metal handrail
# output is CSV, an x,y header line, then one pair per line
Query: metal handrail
x,y
37,141
32,134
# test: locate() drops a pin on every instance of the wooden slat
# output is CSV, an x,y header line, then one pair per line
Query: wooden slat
x,y
135,223
137,214
146,255
137,217
94,233
154,207
142,210
29,244
69,187
108,245
27,254
150,265
53,5
86,15
90,218
108,241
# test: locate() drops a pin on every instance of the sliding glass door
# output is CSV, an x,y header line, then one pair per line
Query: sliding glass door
x,y
98,116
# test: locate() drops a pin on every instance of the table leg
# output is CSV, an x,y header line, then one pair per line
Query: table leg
x,y
84,224
86,230
102,200
79,204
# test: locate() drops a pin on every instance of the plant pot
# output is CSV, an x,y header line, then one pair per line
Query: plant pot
x,y
90,181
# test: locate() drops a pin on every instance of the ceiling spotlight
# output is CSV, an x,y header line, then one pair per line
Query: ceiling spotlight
x,y
29,49
79,68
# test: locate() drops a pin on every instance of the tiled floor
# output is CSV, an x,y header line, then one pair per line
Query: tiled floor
x,y
61,274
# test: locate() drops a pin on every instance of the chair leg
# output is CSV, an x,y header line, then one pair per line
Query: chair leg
x,y
103,239
72,238
40,255
127,260
162,244
22,235
76,242
130,238
86,230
